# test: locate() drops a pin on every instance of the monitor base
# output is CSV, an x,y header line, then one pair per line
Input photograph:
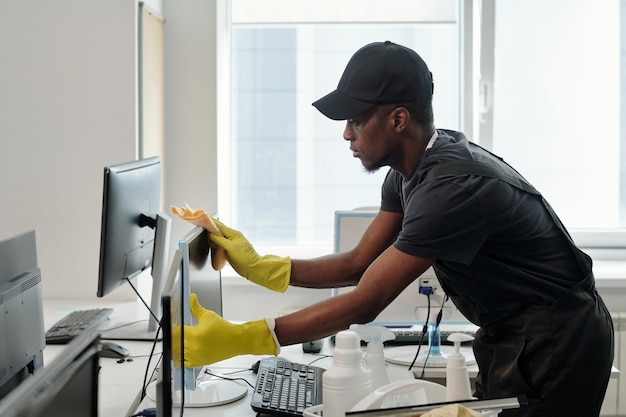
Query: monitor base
x,y
209,392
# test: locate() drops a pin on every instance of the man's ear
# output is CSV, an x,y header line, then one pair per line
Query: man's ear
x,y
401,117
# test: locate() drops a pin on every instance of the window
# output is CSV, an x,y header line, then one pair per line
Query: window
x,y
290,167
548,102
557,104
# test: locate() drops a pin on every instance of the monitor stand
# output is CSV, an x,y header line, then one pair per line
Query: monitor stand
x,y
210,391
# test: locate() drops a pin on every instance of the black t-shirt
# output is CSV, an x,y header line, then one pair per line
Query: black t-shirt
x,y
496,247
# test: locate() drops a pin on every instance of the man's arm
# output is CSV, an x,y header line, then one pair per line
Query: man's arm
x,y
386,277
346,268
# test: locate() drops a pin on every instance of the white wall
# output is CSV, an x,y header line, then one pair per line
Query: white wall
x,y
67,109
190,106
194,30
68,103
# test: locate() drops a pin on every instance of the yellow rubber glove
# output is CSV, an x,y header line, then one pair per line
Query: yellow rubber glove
x,y
214,339
270,271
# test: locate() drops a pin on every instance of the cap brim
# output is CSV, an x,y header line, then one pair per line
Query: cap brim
x,y
338,106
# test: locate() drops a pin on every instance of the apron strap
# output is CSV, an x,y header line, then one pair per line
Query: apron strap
x,y
484,170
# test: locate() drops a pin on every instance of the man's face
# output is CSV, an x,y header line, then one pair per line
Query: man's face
x,y
369,137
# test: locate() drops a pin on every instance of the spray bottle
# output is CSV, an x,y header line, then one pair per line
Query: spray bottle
x,y
348,380
457,377
375,336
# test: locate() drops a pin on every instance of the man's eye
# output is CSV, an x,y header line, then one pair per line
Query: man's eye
x,y
352,122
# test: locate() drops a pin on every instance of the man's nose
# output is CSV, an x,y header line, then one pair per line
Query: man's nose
x,y
347,132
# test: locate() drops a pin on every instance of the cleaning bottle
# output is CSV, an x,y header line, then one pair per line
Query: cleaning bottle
x,y
457,377
348,379
375,336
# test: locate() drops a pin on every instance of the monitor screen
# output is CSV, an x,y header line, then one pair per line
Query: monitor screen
x,y
68,387
411,306
177,386
203,280
199,277
134,237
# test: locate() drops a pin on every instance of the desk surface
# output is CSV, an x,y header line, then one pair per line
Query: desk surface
x,y
121,383
241,366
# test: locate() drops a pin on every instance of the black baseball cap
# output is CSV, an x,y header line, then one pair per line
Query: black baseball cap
x,y
378,73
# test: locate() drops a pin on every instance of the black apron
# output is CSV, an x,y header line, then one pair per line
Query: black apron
x,y
559,356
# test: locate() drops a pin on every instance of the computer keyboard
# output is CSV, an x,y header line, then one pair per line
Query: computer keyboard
x,y
409,336
75,323
413,336
286,388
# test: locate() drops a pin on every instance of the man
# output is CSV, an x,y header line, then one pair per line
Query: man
x,y
498,250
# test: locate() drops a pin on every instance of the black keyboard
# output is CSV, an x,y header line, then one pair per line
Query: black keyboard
x,y
413,336
409,336
286,388
76,323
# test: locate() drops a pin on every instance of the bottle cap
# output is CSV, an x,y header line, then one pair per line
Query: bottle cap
x,y
456,358
347,348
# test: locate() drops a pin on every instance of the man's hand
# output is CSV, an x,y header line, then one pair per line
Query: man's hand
x,y
214,339
200,218
270,271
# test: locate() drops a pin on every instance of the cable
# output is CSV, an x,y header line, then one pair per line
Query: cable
x,y
321,356
424,332
142,300
154,342
437,322
145,377
208,372
121,326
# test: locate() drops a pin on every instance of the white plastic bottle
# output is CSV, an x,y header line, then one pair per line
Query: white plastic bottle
x,y
374,357
457,377
348,380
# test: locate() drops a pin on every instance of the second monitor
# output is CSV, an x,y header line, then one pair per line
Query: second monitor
x,y
412,305
134,237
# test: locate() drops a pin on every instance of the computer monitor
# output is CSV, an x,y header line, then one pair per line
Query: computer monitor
x,y
67,387
170,378
201,389
411,306
417,305
203,280
22,333
177,386
134,237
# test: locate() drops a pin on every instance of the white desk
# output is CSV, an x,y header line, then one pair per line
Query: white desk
x,y
121,383
242,363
